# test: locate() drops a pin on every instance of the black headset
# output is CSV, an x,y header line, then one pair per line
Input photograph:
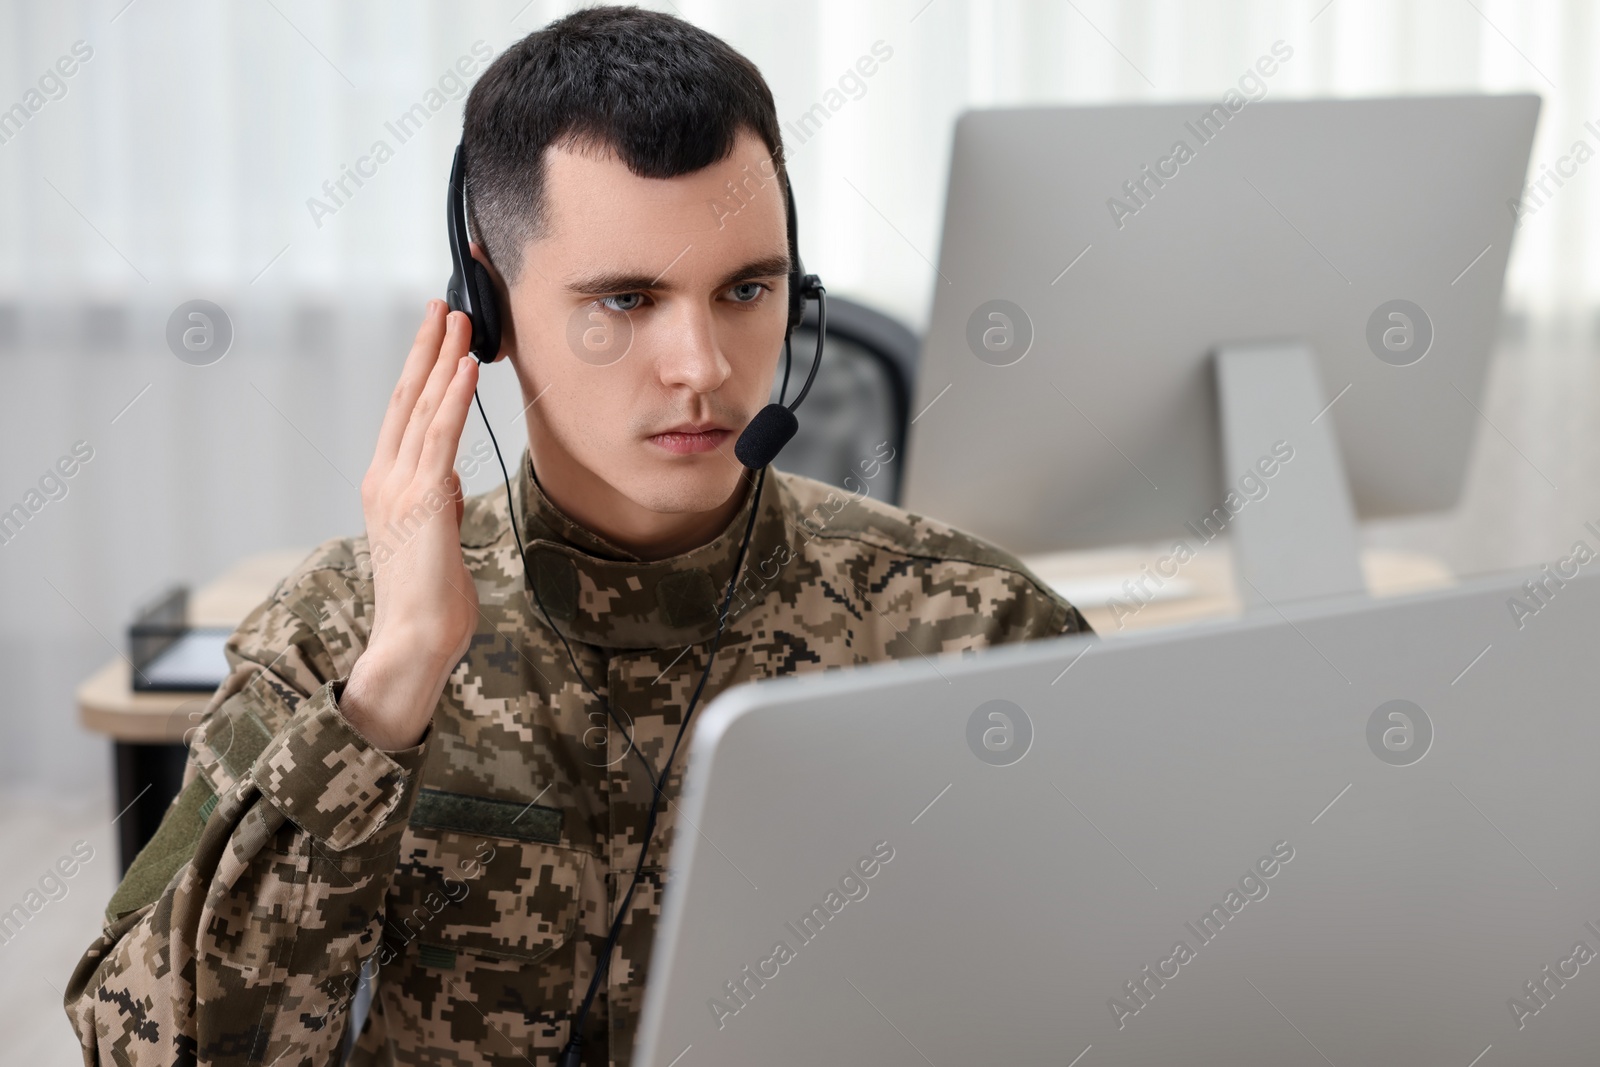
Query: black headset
x,y
471,290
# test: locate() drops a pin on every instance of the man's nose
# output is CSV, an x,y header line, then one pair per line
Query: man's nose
x,y
693,356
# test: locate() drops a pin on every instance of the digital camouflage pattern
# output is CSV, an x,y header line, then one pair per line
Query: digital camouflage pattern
x,y
477,872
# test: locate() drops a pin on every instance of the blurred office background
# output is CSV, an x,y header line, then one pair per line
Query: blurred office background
x,y
178,159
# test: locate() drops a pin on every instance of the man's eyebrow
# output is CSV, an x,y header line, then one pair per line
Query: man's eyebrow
x,y
607,283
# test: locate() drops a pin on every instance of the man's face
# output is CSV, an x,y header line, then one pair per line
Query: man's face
x,y
653,308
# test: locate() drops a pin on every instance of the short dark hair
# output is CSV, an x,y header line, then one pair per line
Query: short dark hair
x,y
666,96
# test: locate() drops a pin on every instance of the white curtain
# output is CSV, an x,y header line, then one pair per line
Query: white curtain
x,y
186,153
183,154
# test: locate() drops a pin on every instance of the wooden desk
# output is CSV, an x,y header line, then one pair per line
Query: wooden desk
x,y
147,729
1210,574
107,703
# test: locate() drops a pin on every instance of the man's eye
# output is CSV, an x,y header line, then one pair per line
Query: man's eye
x,y
623,301
747,292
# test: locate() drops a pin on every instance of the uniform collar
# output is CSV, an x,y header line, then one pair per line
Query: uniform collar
x,y
601,594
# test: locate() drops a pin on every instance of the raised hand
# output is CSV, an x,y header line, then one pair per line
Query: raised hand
x,y
425,604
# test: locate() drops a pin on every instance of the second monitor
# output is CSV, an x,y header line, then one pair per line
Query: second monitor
x,y
1095,261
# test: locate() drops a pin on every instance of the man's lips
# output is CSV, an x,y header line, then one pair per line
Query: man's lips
x,y
687,440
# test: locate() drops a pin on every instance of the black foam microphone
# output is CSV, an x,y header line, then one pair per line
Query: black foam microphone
x,y
766,435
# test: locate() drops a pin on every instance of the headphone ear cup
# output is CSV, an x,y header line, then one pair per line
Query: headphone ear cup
x,y
797,301
486,346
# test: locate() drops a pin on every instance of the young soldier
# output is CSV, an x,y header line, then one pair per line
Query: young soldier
x,y
405,771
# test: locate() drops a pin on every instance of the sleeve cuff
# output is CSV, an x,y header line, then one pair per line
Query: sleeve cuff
x,y
332,782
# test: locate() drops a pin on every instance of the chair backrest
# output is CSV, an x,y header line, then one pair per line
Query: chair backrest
x,y
861,397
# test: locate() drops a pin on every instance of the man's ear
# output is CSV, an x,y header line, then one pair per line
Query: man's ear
x,y
502,297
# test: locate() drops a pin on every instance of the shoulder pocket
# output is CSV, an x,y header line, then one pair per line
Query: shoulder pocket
x,y
485,877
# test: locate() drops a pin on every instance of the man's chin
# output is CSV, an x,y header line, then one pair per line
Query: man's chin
x,y
697,483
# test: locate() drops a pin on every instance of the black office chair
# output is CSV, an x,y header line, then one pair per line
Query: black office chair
x,y
861,397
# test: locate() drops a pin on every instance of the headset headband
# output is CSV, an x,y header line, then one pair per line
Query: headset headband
x,y
468,292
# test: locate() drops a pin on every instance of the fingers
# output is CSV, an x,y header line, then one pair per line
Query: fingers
x,y
456,336
424,352
442,439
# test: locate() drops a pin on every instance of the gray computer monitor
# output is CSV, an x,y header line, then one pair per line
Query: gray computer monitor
x,y
1370,823
1090,269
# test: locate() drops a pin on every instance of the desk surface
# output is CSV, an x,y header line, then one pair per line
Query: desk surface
x,y
107,703
1213,593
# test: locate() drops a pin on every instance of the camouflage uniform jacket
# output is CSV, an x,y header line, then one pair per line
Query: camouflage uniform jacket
x,y
477,872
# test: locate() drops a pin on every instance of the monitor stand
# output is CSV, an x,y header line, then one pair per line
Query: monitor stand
x,y
1299,540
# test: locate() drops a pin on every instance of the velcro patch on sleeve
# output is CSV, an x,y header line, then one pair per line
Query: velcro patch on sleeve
x,y
440,810
171,846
